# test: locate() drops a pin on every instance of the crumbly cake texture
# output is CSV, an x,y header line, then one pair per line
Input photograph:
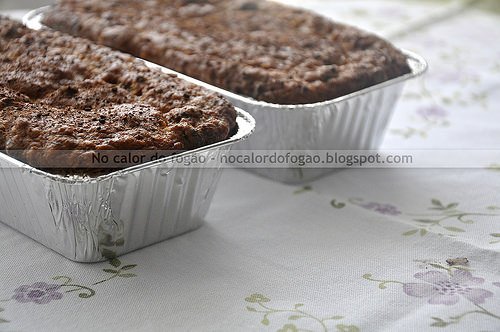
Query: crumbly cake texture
x,y
58,92
259,49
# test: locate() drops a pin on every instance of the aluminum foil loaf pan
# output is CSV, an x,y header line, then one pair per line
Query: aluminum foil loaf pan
x,y
88,219
356,121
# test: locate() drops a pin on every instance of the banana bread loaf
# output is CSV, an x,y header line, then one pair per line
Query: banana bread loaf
x,y
61,93
259,49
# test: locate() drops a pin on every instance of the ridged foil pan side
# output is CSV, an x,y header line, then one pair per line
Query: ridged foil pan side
x,y
83,218
357,121
352,124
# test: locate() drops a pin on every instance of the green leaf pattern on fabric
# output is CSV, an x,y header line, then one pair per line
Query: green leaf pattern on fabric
x,y
437,219
43,293
2,320
295,314
439,213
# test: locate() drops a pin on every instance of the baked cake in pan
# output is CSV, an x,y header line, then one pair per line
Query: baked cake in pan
x,y
258,49
61,93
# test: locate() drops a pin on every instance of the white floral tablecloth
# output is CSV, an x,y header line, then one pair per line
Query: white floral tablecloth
x,y
360,250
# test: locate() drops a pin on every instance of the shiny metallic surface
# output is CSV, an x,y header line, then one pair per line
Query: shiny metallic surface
x,y
357,121
83,218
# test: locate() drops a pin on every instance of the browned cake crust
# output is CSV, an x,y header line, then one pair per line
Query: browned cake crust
x,y
58,92
255,48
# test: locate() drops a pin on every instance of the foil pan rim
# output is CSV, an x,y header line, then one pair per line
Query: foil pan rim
x,y
246,126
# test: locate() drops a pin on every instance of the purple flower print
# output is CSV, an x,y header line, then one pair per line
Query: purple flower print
x,y
382,208
441,288
39,293
432,112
